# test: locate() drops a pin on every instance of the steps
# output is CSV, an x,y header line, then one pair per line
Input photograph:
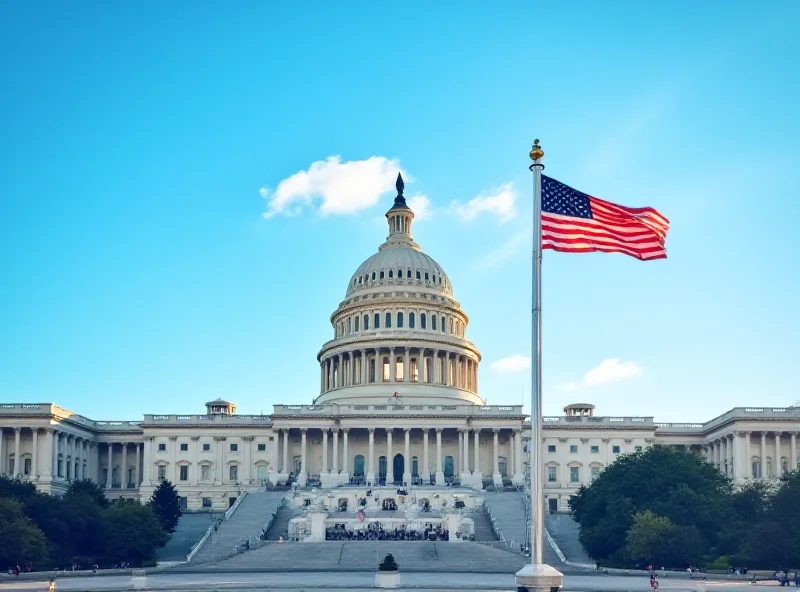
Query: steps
x,y
484,532
190,529
507,509
255,512
280,525
564,531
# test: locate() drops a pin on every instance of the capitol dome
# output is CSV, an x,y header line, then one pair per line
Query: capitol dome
x,y
399,334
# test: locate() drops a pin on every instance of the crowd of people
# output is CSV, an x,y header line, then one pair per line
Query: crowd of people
x,y
376,532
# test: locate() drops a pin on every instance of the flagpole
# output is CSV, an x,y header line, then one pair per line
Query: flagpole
x,y
537,576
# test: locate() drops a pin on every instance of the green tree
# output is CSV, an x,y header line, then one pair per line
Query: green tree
x,y
18,489
671,483
647,538
87,489
21,541
131,532
167,505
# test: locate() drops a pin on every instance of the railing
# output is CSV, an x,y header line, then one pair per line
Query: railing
x,y
200,543
388,409
566,420
235,505
260,420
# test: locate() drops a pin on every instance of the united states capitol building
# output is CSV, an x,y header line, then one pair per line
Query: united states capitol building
x,y
398,403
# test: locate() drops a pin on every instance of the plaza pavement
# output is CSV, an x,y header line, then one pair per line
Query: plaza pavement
x,y
358,581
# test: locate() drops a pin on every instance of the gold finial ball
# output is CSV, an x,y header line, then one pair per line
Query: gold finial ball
x,y
536,151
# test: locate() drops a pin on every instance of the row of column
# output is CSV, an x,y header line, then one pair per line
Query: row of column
x,y
360,367
463,447
733,453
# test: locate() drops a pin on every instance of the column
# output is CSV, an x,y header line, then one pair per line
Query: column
x,y
777,464
339,371
34,454
147,461
371,464
436,378
439,467
110,465
389,464
793,453
407,367
325,450
137,475
459,458
392,378
407,453
763,454
47,471
345,451
425,471
124,477
476,462
285,464
219,454
16,453
364,367
495,454
303,465
748,457
518,455
466,451
335,469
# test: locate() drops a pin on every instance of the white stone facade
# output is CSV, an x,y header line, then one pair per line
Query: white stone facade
x,y
398,402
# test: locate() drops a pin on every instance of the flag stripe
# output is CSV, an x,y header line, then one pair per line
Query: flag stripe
x,y
574,222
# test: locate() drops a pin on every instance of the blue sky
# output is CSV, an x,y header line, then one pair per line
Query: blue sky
x,y
142,143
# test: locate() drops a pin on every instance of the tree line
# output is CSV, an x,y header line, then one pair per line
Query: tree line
x,y
668,507
82,527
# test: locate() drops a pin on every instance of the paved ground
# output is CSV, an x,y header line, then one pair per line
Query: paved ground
x,y
364,581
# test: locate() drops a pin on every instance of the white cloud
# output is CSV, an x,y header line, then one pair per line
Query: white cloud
x,y
507,250
500,203
421,206
511,364
610,370
342,187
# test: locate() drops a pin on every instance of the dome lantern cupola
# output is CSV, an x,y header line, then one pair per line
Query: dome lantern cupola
x,y
399,218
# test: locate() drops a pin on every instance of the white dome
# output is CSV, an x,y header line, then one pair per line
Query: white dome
x,y
400,265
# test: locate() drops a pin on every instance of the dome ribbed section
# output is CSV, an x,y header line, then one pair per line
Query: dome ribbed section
x,y
400,266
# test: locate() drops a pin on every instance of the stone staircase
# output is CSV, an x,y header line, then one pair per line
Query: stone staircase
x,y
255,512
484,531
280,525
508,514
564,531
191,528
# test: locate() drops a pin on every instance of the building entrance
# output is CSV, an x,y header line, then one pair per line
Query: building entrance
x,y
398,468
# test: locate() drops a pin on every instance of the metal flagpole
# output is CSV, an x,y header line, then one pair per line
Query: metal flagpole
x,y
537,576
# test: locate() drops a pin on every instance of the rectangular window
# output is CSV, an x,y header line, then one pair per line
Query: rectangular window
x,y
234,473
615,449
206,502
26,466
206,447
638,448
387,323
234,447
574,474
357,319
433,322
162,472
184,501
377,321
184,473
184,448
422,319
205,472
595,473
162,447
551,474
366,322
444,324
551,448
595,449
573,448
262,447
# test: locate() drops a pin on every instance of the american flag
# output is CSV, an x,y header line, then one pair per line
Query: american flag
x,y
574,222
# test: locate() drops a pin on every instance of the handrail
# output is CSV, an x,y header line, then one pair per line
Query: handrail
x,y
202,541
235,505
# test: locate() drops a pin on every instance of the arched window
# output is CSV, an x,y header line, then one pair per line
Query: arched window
x,y
388,322
358,466
408,274
382,467
381,277
373,276
361,277
391,271
349,326
444,324
366,322
411,320
433,322
440,280
399,274
426,276
419,275
422,320
377,320
356,324
399,320
756,468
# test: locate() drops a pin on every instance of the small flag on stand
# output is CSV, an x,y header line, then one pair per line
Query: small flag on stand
x,y
574,222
